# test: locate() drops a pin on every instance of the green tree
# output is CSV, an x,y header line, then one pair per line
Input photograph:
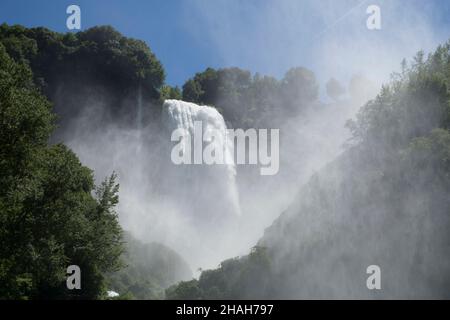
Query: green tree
x,y
168,92
248,101
48,216
98,60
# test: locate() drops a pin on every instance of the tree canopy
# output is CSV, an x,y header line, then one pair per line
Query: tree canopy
x,y
253,101
49,218
72,67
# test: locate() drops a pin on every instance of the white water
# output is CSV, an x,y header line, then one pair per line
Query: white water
x,y
200,180
195,209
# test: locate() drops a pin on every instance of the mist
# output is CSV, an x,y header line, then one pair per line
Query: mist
x,y
184,207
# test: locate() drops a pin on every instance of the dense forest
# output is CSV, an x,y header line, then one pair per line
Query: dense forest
x,y
49,217
384,200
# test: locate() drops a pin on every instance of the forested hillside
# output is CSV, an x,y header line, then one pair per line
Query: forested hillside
x,y
257,101
384,202
73,69
49,218
149,269
76,70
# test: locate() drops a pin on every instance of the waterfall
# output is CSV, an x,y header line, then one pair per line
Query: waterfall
x,y
210,189
193,209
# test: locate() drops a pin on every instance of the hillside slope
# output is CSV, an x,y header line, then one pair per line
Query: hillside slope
x,y
384,202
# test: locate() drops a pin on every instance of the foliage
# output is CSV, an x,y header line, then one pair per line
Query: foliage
x,y
73,67
385,198
48,217
168,92
150,268
236,278
416,102
253,101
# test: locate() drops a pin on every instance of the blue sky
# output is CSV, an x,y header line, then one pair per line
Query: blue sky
x,y
327,36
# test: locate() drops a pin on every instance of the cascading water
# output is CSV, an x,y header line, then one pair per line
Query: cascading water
x,y
193,209
210,190
203,198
